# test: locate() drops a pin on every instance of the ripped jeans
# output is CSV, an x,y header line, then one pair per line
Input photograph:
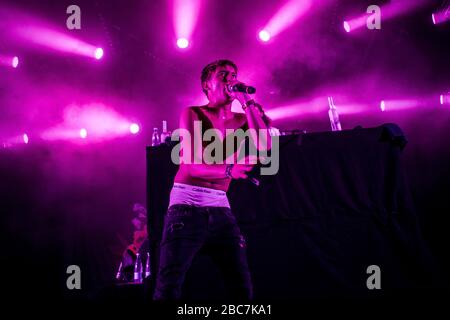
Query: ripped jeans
x,y
187,229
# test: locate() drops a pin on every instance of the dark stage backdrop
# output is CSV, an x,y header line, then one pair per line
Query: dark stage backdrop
x,y
339,204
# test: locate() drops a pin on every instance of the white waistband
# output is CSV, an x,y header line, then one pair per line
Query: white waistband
x,y
197,196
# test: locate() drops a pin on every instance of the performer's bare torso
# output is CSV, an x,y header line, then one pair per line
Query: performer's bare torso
x,y
233,121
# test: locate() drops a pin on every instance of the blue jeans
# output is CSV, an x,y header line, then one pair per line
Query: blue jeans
x,y
188,229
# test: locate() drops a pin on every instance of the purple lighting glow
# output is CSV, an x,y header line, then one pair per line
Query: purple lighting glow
x,y
298,108
56,40
285,17
25,138
444,99
182,43
185,15
98,53
351,25
347,26
134,128
441,16
83,133
15,62
388,11
102,122
9,61
400,104
264,35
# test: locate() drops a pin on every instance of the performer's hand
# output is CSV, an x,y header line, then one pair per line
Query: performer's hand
x,y
240,96
239,171
260,109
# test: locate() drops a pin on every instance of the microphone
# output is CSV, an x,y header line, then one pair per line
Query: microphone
x,y
254,181
240,87
252,178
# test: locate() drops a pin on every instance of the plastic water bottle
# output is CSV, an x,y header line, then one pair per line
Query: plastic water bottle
x,y
119,272
274,131
147,266
334,116
137,277
155,137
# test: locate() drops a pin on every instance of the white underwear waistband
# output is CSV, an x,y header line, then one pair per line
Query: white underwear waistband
x,y
197,196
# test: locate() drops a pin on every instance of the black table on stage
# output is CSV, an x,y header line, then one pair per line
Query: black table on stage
x,y
339,203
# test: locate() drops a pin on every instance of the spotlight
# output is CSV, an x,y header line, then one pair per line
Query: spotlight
x,y
182,43
441,16
98,53
52,39
15,62
185,17
347,26
285,16
25,138
391,10
134,128
83,133
400,104
444,98
9,61
264,35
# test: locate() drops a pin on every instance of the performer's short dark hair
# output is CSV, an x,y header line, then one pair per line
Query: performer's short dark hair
x,y
211,67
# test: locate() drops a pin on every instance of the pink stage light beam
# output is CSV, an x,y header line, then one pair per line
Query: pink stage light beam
x,y
16,140
391,10
58,41
185,15
98,53
183,43
289,13
264,35
444,99
441,16
15,62
347,26
9,61
315,106
134,128
83,133
298,108
399,104
99,122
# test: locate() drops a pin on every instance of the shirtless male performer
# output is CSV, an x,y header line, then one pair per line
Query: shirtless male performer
x,y
199,214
